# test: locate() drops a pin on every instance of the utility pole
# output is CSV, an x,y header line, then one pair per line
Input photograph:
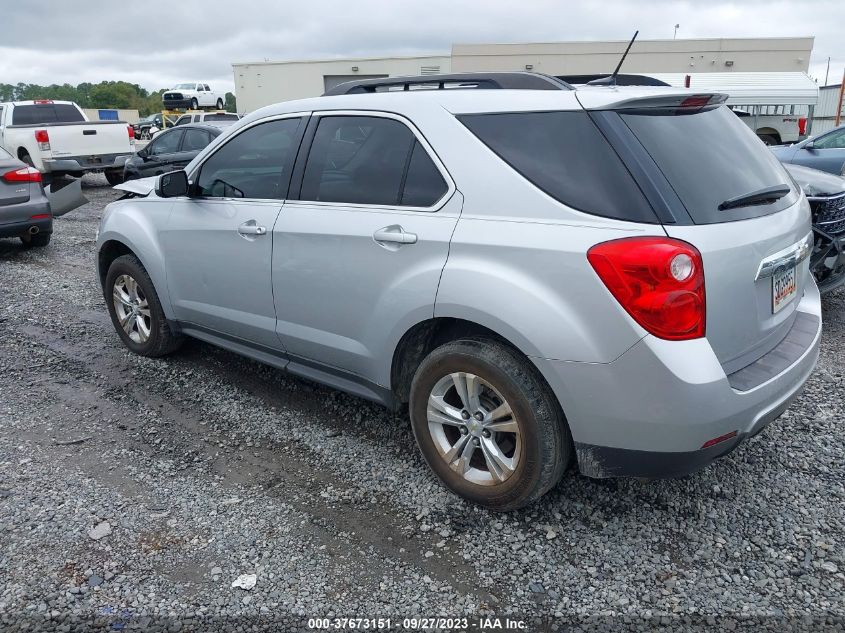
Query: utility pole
x,y
675,35
827,72
841,98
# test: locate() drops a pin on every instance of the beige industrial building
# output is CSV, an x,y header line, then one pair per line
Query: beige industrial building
x,y
261,83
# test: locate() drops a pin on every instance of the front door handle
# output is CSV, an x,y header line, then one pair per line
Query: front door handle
x,y
394,234
251,228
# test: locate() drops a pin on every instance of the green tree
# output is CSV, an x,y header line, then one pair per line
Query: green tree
x,y
231,105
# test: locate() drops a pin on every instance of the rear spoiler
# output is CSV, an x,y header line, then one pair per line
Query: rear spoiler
x,y
672,101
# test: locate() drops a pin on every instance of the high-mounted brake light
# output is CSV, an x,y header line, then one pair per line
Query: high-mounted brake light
x,y
696,101
43,140
24,174
42,101
659,281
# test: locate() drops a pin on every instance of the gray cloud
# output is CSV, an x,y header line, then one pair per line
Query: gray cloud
x,y
156,44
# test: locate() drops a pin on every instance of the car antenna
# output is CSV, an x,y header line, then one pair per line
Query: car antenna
x,y
610,80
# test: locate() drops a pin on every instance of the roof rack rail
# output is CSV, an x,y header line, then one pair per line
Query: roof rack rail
x,y
485,81
621,79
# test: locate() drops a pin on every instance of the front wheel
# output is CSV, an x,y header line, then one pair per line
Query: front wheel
x,y
114,176
488,425
135,310
195,104
220,104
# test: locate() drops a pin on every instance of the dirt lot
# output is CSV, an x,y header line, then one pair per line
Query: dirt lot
x,y
206,466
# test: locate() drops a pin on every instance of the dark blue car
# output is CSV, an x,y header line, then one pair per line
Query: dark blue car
x,y
825,152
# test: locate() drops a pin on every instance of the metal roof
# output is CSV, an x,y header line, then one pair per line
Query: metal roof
x,y
745,88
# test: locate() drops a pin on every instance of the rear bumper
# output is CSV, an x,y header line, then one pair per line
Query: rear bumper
x,y
16,229
86,163
650,412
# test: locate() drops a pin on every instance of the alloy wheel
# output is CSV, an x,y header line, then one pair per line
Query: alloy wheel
x,y
474,428
132,309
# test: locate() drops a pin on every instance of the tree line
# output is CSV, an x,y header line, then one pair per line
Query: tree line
x,y
104,95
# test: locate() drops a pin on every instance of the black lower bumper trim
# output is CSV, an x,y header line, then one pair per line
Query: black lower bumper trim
x,y
605,461
16,229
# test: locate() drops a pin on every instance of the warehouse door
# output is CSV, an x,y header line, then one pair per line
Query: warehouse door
x,y
330,81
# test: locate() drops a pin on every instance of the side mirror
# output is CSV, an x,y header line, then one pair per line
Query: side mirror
x,y
809,145
172,184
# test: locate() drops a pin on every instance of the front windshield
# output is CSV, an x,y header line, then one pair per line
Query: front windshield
x,y
185,86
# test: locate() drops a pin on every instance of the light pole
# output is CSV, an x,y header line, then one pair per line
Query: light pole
x,y
675,35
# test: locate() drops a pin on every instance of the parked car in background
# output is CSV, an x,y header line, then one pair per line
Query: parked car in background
x,y
220,119
24,209
826,193
193,96
825,152
146,127
172,149
57,139
540,274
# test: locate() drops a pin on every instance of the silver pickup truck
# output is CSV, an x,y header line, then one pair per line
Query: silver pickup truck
x,y
57,139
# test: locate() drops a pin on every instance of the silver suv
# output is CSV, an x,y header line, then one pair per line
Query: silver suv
x,y
611,277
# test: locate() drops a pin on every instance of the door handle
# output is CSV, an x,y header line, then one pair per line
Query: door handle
x,y
394,234
251,228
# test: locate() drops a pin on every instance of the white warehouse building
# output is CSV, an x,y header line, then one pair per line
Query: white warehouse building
x,y
261,83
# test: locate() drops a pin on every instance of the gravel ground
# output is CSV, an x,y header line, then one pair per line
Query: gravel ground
x,y
134,491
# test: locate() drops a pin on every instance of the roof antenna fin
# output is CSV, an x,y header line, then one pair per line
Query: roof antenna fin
x,y
610,80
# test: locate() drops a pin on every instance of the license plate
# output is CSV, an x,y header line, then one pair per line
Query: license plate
x,y
784,288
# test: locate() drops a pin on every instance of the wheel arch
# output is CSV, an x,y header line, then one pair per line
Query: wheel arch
x,y
423,337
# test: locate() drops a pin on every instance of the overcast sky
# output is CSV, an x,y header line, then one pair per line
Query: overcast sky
x,y
157,44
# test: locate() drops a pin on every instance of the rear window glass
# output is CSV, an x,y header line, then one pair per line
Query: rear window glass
x,y
565,155
221,117
708,157
46,113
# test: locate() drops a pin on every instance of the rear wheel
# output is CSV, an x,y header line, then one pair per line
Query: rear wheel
x,y
769,139
194,104
487,424
135,310
220,104
25,157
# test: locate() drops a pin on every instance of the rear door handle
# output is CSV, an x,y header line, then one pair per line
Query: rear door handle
x,y
251,228
394,234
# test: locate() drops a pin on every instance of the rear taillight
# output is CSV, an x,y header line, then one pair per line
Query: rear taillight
x,y
24,174
659,281
43,140
802,126
131,134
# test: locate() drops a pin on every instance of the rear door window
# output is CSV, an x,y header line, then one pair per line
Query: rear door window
x,y
370,160
565,155
710,156
195,140
165,143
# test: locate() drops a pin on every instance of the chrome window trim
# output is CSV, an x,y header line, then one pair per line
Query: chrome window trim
x,y
438,204
198,168
787,258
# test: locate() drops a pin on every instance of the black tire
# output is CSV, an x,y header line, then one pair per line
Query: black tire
x,y
39,240
114,176
25,157
220,104
162,340
769,139
546,442
195,105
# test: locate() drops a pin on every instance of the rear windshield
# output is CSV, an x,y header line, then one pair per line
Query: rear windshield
x,y
565,155
46,113
708,157
221,117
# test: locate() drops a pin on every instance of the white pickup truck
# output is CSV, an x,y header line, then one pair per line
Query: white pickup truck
x,y
57,139
193,96
774,128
